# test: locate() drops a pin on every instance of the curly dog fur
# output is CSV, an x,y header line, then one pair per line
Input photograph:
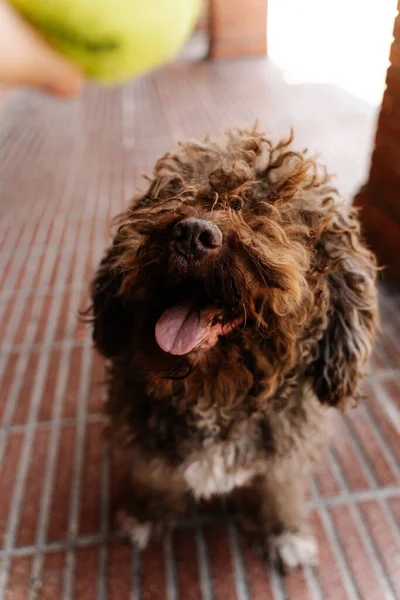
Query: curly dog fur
x,y
290,292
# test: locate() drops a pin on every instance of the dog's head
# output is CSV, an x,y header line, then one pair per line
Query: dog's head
x,y
223,242
209,250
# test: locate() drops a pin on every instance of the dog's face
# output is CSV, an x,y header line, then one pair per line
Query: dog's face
x,y
242,243
212,261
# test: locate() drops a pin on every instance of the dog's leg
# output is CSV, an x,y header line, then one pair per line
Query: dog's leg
x,y
145,510
271,510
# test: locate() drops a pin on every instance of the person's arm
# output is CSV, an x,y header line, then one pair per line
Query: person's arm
x,y
27,60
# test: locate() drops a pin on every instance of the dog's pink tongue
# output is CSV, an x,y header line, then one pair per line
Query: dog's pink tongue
x,y
181,328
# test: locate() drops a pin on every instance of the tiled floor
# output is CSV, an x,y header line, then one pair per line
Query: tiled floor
x,y
66,168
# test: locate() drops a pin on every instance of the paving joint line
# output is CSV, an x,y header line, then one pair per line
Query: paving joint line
x,y
367,540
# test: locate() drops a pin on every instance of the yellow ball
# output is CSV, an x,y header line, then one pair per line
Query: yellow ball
x,y
113,40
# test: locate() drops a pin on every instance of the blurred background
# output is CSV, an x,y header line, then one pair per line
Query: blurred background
x,y
66,168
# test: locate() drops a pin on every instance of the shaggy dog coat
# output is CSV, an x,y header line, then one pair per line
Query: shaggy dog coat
x,y
236,306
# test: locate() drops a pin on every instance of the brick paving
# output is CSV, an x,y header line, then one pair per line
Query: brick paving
x,y
65,169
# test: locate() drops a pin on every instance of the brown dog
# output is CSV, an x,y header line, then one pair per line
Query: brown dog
x,y
237,304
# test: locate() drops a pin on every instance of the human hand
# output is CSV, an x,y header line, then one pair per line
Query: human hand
x,y
26,59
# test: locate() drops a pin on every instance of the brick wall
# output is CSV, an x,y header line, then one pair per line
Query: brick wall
x,y
380,197
237,28
203,22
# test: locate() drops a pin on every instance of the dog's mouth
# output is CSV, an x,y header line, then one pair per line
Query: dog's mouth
x,y
188,326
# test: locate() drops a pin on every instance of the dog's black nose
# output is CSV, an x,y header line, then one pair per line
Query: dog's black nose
x,y
195,237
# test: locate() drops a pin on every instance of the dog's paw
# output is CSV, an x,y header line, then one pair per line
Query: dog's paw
x,y
290,551
139,533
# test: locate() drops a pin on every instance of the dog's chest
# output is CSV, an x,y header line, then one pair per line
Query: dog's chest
x,y
221,466
215,472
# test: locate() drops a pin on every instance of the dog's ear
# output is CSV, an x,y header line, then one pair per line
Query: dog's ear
x,y
352,313
111,318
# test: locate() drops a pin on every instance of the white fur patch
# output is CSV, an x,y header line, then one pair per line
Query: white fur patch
x,y
139,533
293,550
215,472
